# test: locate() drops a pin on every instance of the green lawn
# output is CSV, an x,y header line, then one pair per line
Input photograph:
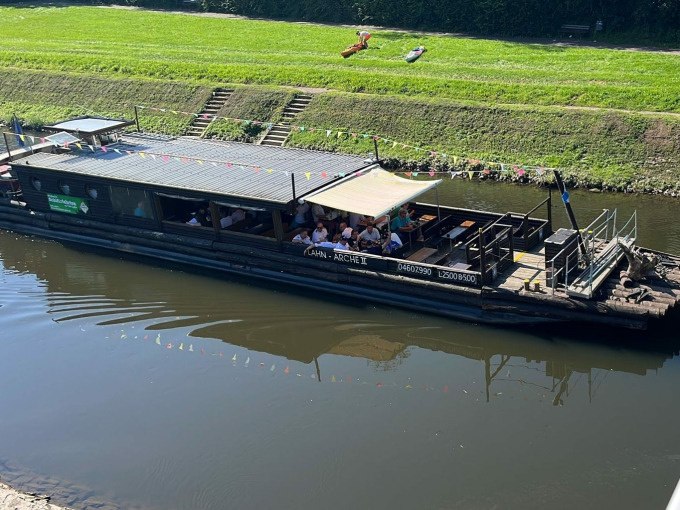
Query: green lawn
x,y
474,99
175,46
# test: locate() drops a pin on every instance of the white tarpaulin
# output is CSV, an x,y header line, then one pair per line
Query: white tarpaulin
x,y
373,194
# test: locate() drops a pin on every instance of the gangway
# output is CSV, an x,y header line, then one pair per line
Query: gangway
x,y
602,255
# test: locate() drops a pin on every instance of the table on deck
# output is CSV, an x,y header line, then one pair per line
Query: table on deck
x,y
421,254
460,265
418,226
458,231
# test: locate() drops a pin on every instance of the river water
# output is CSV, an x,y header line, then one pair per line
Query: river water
x,y
130,385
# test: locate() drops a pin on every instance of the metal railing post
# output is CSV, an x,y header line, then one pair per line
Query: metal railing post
x,y
552,273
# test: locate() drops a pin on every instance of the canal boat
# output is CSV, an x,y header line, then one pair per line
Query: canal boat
x,y
231,207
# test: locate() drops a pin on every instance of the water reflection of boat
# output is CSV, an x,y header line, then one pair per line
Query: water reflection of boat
x,y
110,295
237,208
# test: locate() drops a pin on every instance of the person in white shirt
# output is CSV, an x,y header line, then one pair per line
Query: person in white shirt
x,y
345,231
320,233
392,244
238,215
342,244
226,221
370,235
302,238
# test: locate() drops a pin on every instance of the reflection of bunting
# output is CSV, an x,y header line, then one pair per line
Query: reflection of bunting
x,y
267,364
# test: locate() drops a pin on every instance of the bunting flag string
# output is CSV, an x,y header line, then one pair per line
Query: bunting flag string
x,y
476,167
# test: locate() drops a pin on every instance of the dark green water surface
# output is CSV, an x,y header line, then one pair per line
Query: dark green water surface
x,y
132,385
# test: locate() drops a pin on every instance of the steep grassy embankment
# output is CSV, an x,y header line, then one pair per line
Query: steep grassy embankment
x,y
42,97
595,148
491,100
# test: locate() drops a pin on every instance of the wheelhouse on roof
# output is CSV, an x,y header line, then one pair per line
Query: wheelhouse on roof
x,y
95,131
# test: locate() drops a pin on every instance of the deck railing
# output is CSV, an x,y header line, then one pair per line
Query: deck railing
x,y
601,239
495,255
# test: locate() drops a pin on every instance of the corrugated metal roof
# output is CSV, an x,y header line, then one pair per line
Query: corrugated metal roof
x,y
174,163
90,124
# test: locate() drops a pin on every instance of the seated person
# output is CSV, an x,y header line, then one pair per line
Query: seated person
x,y
402,224
302,238
200,218
409,212
320,233
344,230
225,218
139,210
326,244
370,238
238,215
342,244
380,222
228,220
353,241
392,244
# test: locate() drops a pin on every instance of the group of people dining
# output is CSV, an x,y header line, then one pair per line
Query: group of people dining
x,y
354,232
228,217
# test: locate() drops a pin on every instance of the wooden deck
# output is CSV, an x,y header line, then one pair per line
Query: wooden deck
x,y
528,266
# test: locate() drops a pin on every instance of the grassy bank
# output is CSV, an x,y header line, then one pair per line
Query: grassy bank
x,y
40,98
603,149
118,42
58,63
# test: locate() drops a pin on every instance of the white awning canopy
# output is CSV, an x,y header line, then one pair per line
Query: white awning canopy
x,y
373,193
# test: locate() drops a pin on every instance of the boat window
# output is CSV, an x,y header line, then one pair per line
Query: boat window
x,y
131,202
184,210
91,192
64,188
35,182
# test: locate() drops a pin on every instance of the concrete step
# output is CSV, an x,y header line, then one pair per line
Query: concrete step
x,y
271,143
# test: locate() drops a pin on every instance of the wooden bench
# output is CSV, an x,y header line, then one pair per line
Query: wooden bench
x,y
421,254
575,29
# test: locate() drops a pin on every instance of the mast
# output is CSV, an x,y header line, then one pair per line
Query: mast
x,y
567,205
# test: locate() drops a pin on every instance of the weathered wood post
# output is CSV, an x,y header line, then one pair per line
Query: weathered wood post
x,y
137,120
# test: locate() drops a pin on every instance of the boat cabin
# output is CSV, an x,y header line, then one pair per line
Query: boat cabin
x,y
225,194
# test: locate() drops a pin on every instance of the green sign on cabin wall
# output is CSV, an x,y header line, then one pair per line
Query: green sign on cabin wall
x,y
66,204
